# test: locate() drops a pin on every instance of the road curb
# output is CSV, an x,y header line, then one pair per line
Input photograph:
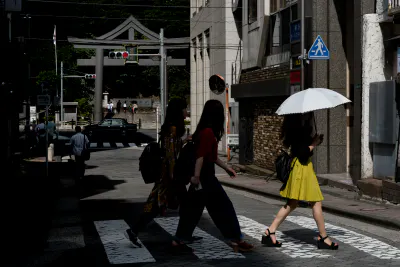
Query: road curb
x,y
326,207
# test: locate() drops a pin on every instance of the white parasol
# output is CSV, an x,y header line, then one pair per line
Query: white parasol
x,y
310,100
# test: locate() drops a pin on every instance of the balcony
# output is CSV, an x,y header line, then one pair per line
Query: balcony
x,y
393,7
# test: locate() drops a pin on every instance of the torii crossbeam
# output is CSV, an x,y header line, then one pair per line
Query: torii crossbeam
x,y
110,41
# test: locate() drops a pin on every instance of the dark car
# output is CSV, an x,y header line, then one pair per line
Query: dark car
x,y
116,130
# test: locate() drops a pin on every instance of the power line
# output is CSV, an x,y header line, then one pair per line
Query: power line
x,y
216,46
120,5
120,18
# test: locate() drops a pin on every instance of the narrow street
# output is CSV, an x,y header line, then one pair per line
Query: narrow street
x,y
92,216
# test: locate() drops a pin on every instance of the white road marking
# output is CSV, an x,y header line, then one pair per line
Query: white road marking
x,y
106,145
292,247
210,248
65,238
119,249
117,145
367,244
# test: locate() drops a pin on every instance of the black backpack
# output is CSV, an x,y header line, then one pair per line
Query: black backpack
x,y
185,164
150,163
283,166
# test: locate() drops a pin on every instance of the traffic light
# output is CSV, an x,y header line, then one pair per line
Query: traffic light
x,y
90,76
118,55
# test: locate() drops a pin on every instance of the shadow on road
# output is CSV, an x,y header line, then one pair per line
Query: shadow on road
x,y
92,185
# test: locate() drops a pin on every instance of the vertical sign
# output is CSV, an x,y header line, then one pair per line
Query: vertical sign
x,y
398,59
295,31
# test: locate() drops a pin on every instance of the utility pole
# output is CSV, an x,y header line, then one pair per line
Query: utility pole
x,y
303,52
162,78
62,92
27,106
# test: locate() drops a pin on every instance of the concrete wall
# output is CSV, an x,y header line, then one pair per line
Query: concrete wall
x,y
224,44
254,35
329,156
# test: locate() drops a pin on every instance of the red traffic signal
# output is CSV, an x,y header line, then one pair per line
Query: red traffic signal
x,y
118,55
90,76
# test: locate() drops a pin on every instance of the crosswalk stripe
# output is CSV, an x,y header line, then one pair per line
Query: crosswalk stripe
x,y
292,247
364,243
106,145
113,145
119,249
210,248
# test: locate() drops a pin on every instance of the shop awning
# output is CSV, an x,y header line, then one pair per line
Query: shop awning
x,y
272,87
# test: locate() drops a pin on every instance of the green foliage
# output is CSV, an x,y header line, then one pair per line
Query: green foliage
x,y
49,80
93,21
84,107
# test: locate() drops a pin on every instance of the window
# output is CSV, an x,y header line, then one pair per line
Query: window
x,y
194,48
252,8
117,122
285,24
207,41
106,123
201,45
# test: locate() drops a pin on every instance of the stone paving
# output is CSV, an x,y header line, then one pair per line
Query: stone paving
x,y
92,213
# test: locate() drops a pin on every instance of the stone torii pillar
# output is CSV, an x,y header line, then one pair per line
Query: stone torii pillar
x,y
152,41
98,92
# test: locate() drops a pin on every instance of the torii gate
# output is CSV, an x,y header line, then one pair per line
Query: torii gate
x,y
110,41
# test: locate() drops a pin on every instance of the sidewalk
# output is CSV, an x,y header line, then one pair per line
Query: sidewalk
x,y
337,201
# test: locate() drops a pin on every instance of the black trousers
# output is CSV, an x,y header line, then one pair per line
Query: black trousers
x,y
219,207
79,166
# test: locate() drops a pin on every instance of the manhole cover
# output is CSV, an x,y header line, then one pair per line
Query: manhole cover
x,y
373,209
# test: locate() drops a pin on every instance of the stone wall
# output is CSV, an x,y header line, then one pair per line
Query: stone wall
x,y
265,74
267,127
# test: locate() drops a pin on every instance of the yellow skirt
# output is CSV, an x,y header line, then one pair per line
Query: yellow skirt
x,y
302,183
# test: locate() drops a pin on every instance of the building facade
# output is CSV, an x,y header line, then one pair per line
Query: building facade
x,y
215,49
270,73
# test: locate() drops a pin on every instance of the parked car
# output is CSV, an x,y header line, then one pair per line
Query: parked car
x,y
115,130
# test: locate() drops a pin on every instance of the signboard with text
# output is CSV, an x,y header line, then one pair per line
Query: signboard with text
x,y
43,100
295,31
295,77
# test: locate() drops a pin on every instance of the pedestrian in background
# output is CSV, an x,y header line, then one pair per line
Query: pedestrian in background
x,y
79,142
297,133
118,106
205,189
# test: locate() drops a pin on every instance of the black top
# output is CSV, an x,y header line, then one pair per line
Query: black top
x,y
300,148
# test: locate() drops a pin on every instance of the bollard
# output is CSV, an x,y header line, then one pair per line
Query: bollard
x,y
50,152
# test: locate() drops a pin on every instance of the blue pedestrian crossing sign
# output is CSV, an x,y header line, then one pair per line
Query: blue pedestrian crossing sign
x,y
318,50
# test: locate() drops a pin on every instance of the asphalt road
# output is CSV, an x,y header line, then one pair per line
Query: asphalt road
x,y
88,228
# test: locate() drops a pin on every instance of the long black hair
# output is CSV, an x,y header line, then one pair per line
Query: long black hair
x,y
174,117
297,126
212,117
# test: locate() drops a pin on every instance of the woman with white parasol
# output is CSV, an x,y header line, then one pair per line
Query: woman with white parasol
x,y
299,134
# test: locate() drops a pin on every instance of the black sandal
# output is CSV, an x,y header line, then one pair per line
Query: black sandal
x,y
266,240
322,245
